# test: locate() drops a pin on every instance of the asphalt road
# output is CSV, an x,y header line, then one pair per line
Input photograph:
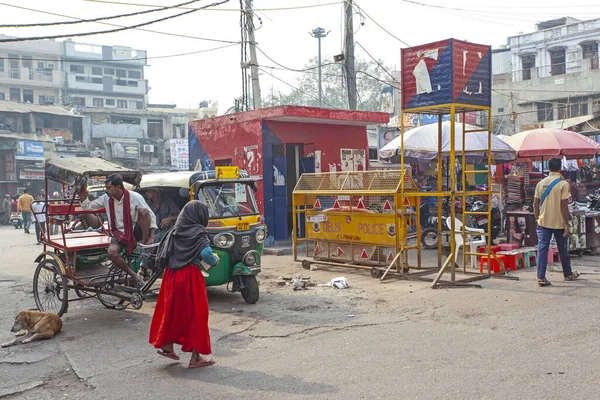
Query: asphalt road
x,y
392,340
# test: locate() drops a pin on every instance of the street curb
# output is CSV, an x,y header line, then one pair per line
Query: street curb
x,y
277,251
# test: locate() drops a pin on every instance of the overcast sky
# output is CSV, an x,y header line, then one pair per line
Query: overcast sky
x,y
284,36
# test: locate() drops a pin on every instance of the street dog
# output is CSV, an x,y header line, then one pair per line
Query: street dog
x,y
34,325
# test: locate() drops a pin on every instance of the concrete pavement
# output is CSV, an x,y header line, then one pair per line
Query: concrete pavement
x,y
389,340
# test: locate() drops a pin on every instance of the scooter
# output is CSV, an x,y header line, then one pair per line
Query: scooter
x,y
16,220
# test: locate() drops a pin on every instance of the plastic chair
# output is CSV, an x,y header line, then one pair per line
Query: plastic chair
x,y
473,244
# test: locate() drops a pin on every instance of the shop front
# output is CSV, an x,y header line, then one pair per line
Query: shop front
x,y
30,166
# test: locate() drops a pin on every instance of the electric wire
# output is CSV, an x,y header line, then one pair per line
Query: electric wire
x,y
294,87
118,60
124,28
222,9
137,29
380,26
41,24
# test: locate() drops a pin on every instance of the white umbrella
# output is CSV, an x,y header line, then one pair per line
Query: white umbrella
x,y
422,142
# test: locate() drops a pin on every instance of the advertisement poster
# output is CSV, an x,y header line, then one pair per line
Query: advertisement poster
x,y
30,150
179,154
125,150
346,157
360,163
317,160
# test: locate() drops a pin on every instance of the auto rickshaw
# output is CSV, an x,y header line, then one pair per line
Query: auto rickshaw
x,y
236,229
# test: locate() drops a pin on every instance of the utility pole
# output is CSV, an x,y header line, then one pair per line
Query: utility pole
x,y
349,61
257,102
319,33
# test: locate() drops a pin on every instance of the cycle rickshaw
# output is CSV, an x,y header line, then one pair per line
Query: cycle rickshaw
x,y
77,261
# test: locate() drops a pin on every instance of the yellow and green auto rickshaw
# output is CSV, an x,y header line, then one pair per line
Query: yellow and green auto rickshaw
x,y
236,228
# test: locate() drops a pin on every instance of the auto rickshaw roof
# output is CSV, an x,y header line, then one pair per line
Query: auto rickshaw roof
x,y
211,176
76,170
180,179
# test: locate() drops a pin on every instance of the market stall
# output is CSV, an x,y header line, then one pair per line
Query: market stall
x,y
519,186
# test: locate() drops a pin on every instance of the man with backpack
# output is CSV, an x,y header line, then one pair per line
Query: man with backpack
x,y
551,209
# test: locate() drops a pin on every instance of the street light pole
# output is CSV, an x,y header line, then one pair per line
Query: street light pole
x,y
319,33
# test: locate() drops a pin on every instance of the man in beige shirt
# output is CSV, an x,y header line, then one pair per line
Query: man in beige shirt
x,y
24,206
552,214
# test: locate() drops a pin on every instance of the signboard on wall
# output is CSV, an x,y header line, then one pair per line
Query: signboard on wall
x,y
30,150
31,174
125,150
10,166
180,154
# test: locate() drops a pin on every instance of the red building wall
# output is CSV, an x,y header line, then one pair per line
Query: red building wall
x,y
329,139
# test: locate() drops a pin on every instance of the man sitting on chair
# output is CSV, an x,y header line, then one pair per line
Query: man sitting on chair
x,y
126,228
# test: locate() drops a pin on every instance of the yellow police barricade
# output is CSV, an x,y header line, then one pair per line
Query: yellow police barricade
x,y
358,219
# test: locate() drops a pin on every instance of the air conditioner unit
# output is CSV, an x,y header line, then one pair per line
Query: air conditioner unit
x,y
148,148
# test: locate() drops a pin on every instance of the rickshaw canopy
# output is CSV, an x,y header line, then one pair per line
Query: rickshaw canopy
x,y
77,170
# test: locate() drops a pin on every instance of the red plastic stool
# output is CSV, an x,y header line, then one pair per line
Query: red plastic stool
x,y
512,261
495,266
551,252
509,246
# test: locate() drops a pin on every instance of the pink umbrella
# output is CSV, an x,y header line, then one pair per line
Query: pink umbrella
x,y
539,143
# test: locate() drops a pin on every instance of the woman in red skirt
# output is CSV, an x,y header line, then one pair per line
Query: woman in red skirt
x,y
181,313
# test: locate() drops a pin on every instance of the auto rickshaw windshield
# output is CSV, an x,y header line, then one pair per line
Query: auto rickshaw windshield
x,y
229,199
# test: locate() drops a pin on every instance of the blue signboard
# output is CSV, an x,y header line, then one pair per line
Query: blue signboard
x,y
30,150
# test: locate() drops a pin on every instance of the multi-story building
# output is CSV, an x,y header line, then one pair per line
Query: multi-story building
x,y
30,72
104,76
549,78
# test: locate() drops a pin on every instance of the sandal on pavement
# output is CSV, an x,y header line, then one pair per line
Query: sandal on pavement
x,y
168,354
573,276
205,362
543,282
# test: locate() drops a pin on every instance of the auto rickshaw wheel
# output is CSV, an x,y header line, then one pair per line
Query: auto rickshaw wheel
x,y
50,289
250,292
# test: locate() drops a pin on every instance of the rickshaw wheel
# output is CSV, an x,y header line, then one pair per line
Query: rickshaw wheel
x,y
50,289
250,292
109,301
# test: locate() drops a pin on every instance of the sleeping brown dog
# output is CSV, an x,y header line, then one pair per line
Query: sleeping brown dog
x,y
34,325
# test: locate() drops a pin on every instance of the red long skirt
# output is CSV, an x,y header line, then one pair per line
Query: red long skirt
x,y
181,313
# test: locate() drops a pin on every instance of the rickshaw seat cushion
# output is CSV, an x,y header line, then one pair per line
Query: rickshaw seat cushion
x,y
80,241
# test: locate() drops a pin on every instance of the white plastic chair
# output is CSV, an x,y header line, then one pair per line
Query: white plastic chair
x,y
473,244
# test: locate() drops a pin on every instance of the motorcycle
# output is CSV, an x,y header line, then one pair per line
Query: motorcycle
x,y
16,220
593,201
481,221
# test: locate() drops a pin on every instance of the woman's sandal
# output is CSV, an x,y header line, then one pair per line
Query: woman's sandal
x,y
543,282
168,354
205,362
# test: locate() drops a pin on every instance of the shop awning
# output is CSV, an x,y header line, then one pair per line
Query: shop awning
x,y
26,108
567,123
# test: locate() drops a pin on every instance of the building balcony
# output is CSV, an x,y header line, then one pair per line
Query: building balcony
x,y
32,77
